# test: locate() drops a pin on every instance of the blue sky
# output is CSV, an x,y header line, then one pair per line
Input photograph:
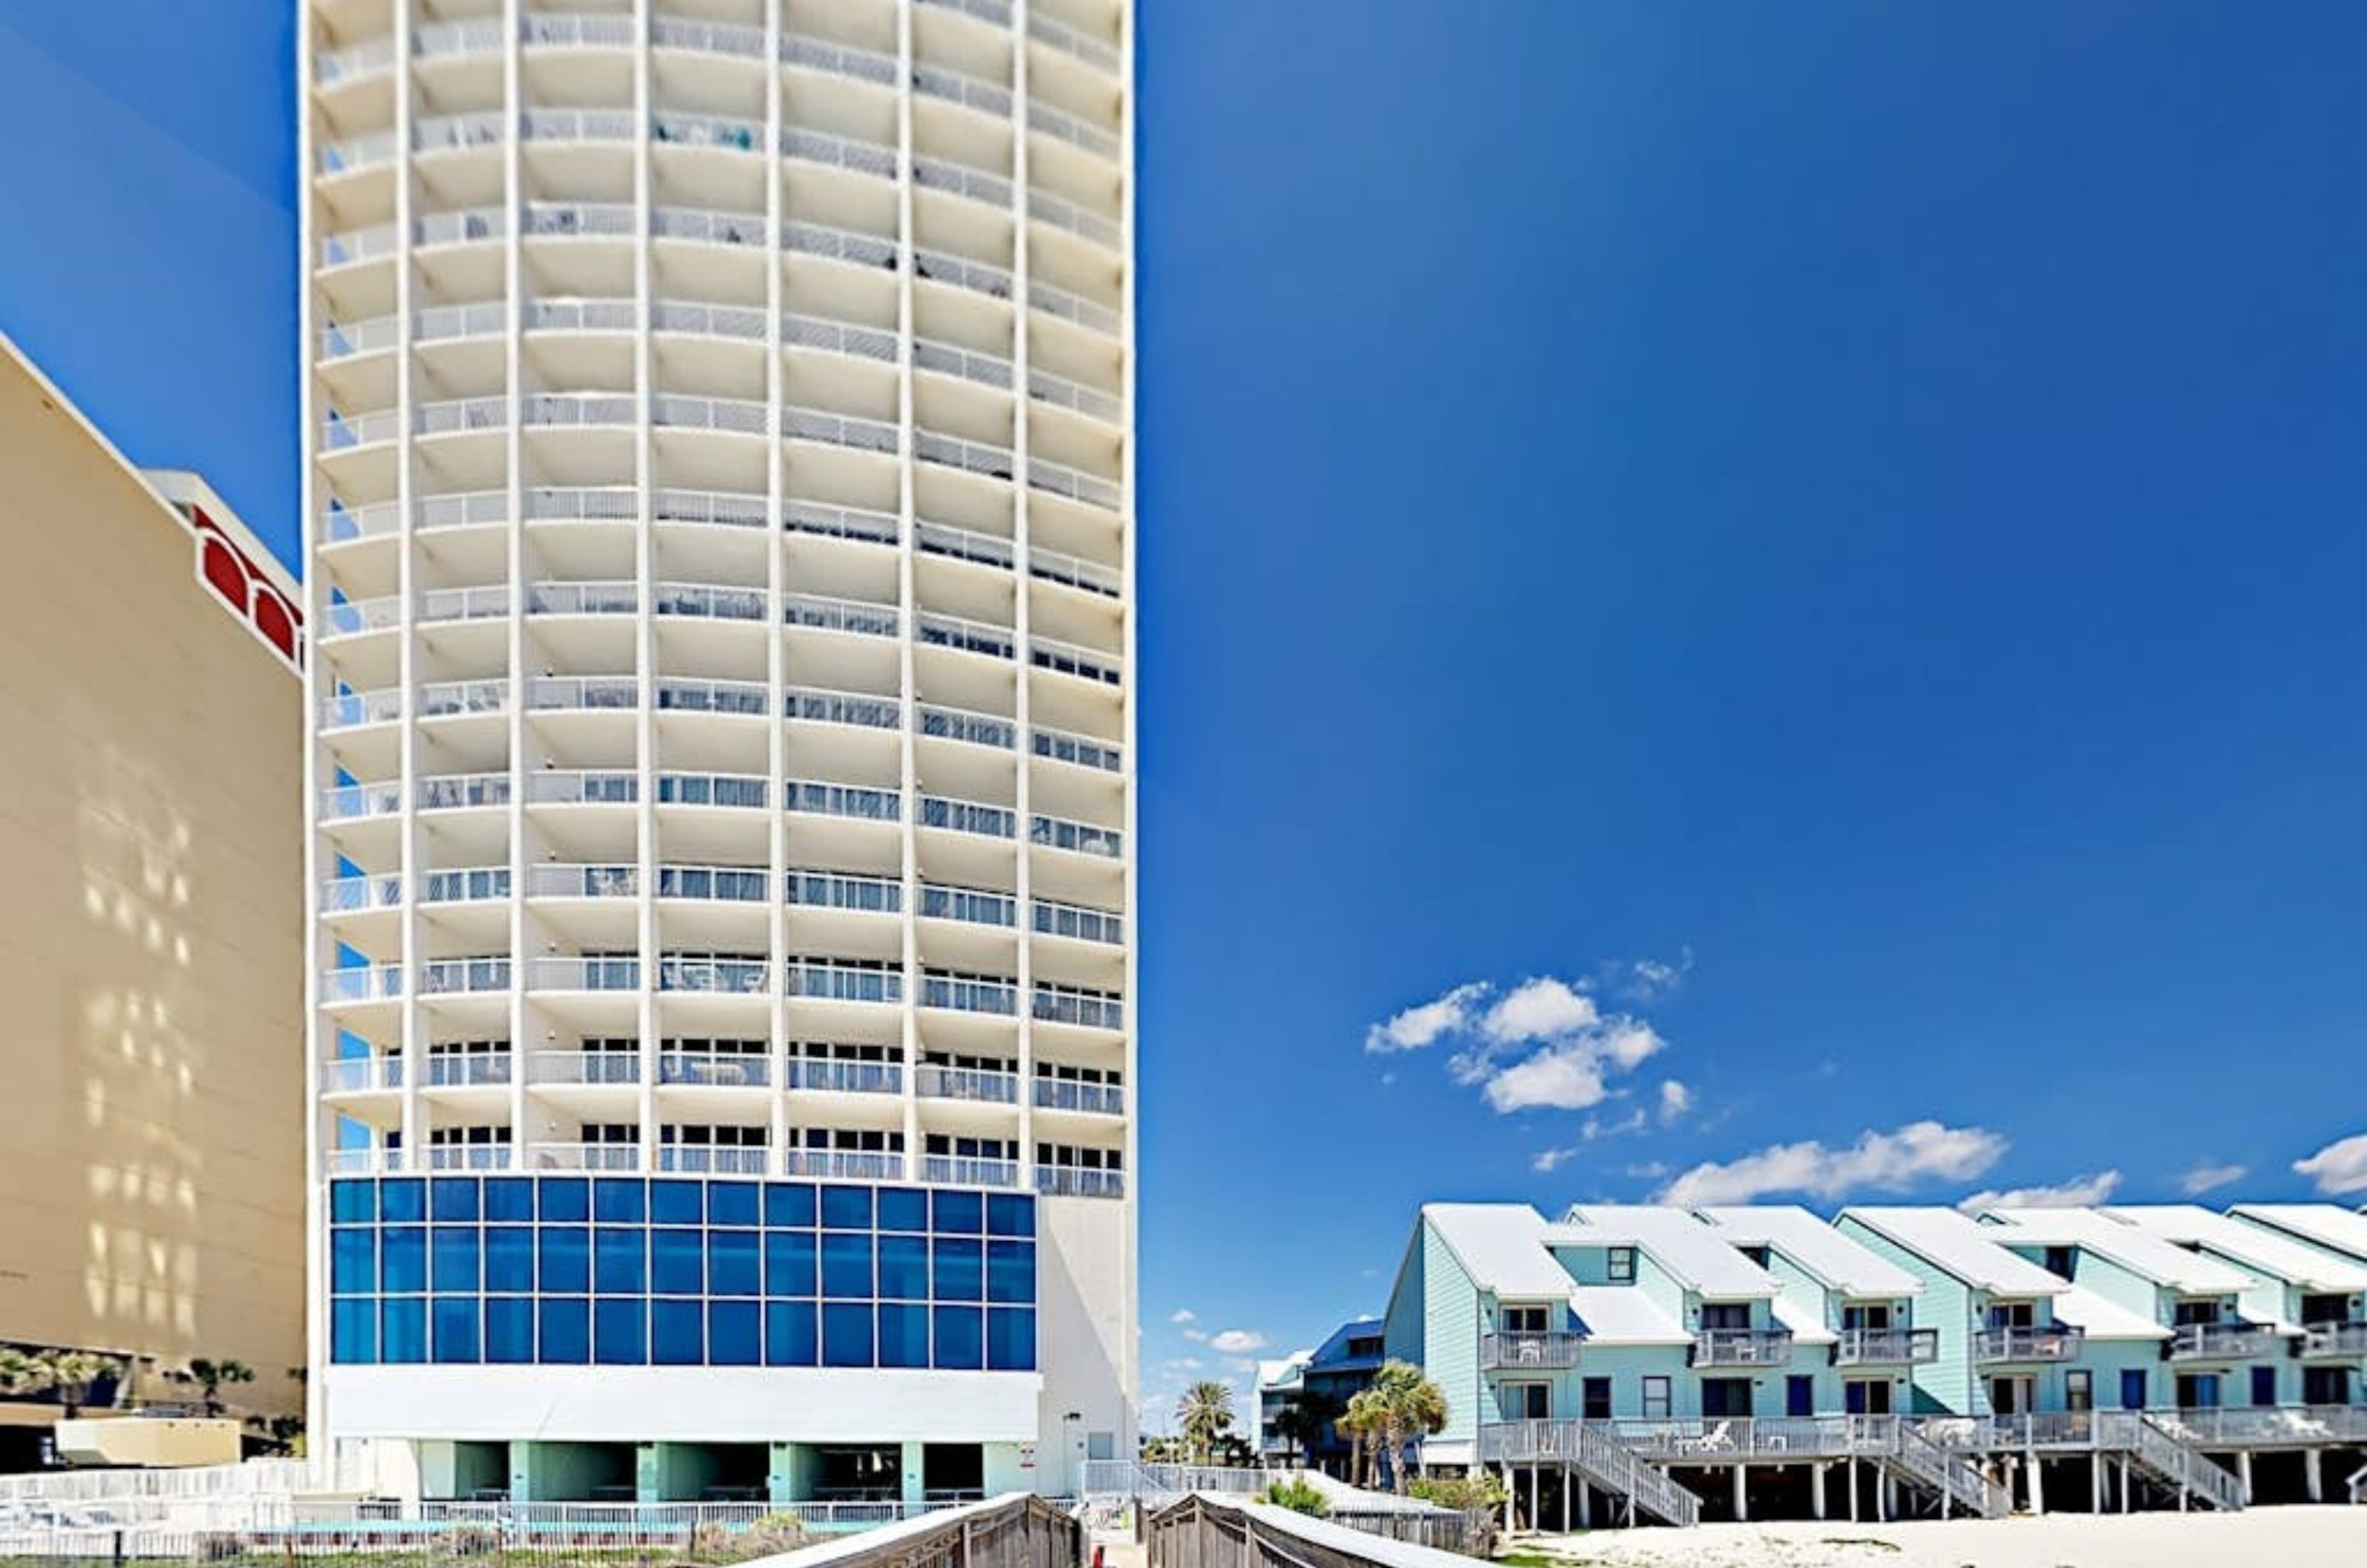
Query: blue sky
x,y
1805,552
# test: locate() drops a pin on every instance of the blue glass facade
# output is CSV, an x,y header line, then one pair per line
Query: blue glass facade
x,y
573,1271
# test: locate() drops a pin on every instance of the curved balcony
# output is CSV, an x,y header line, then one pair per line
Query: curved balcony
x,y
575,31
1073,42
460,228
1085,1099
840,522
1077,837
582,599
345,340
850,708
460,510
737,416
966,1170
353,895
935,1082
374,242
841,430
1075,571
836,58
1078,923
859,617
1071,218
717,1159
549,787
994,12
356,153
970,457
560,409
476,34
703,226
362,1075
968,817
838,1076
352,617
963,544
958,272
991,98
1080,751
352,710
461,976
840,980
677,694
1068,659
577,316
676,127
484,603
971,729
715,1069
1075,484
1061,126
346,803
362,983
835,337
469,1069
844,1165
835,890
458,133
964,636
970,905
838,151
1079,1181
1059,392
463,699
551,880
343,432
591,1068
466,884
1063,305
582,221
707,38
577,693
595,974
586,1156
954,992
1078,1005
354,63
460,792
578,125
730,791
967,365
853,801
962,180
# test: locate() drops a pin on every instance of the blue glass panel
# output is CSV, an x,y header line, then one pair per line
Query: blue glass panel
x,y
565,1198
353,1262
622,1199
958,1346
788,1203
456,1327
677,1263
903,1268
403,1330
453,1198
509,1197
903,1335
677,1204
620,1333
846,1334
509,1260
959,1213
566,1327
732,1203
565,1264
509,1329
846,1208
845,1265
959,1269
1010,1340
352,1202
403,1259
903,1208
732,1267
353,1332
734,1334
789,1334
453,1260
1010,1213
619,1264
1010,1273
788,1263
677,1332
402,1198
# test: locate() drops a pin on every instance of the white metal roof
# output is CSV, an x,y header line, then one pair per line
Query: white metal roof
x,y
1693,1252
1502,1246
1807,1327
2083,1308
1836,1261
1622,1315
2141,1251
1959,1247
2265,1251
2326,1224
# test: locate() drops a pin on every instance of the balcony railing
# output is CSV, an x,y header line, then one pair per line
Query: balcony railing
x,y
1083,751
361,1075
838,1076
1083,837
563,973
464,886
610,1068
975,728
454,791
966,1171
850,1165
825,980
969,993
1078,923
574,786
968,817
721,1159
1742,1347
469,1069
363,983
1887,1347
1074,1004
1060,35
715,1069
1071,1094
586,1156
1077,1181
2056,1342
936,1082
719,973
1544,1350
970,905
2220,1341
2324,1339
833,890
471,1156
447,976
351,894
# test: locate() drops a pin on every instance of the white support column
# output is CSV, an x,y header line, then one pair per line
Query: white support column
x,y
1817,1489
2244,1472
2312,1474
2037,1485
1536,1515
1742,1493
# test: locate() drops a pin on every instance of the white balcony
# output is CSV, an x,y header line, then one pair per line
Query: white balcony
x,y
586,1156
1077,838
1078,923
833,890
976,1085
846,1164
593,1068
1088,1098
1083,751
970,905
837,1076
822,979
1077,1181
719,1159
1073,1004
961,1170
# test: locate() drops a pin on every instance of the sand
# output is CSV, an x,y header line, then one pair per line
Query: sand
x,y
2297,1536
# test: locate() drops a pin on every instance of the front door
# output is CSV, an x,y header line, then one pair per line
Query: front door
x,y
2325,1385
2012,1396
2133,1388
2264,1385
2198,1391
1799,1396
1866,1396
1525,1401
1725,1398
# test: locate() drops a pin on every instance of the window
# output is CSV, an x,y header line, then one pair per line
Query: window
x,y
1656,1399
2012,1314
2198,1391
1866,1396
1799,1396
1622,1265
1866,1315
1521,1320
1726,1314
1594,1399
2264,1385
1726,1397
2061,1261
2079,1390
1525,1401
2187,1315
2325,1309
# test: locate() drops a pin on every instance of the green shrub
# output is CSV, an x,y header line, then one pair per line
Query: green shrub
x,y
1298,1496
1464,1494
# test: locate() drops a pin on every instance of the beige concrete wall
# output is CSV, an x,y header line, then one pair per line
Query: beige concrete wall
x,y
151,1085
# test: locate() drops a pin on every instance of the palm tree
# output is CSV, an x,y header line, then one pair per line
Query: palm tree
x,y
1300,1422
72,1372
1204,1411
21,1373
208,1376
1411,1405
1360,1421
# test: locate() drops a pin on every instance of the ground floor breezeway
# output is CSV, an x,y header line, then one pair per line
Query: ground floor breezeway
x,y
546,1472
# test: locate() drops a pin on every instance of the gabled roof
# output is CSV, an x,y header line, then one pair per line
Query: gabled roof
x,y
1832,1259
1693,1252
1622,1315
1502,1246
1807,1326
1333,1352
2253,1246
2321,1224
2140,1251
2083,1308
1958,1247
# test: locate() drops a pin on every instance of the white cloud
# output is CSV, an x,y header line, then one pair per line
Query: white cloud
x,y
1885,1161
1550,1160
2210,1178
1646,979
2079,1192
2339,1169
1675,1100
1237,1342
1559,1077
1543,1009
1197,1336
1184,1314
1419,1026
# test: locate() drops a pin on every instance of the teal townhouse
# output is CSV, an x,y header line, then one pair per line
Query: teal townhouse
x,y
1626,1363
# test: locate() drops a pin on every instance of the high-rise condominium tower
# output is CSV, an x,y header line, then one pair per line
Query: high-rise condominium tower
x,y
719,457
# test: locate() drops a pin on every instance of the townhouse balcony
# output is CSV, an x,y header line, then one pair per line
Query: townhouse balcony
x,y
1887,1347
2219,1342
2056,1342
1742,1347
2323,1340
1521,1351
